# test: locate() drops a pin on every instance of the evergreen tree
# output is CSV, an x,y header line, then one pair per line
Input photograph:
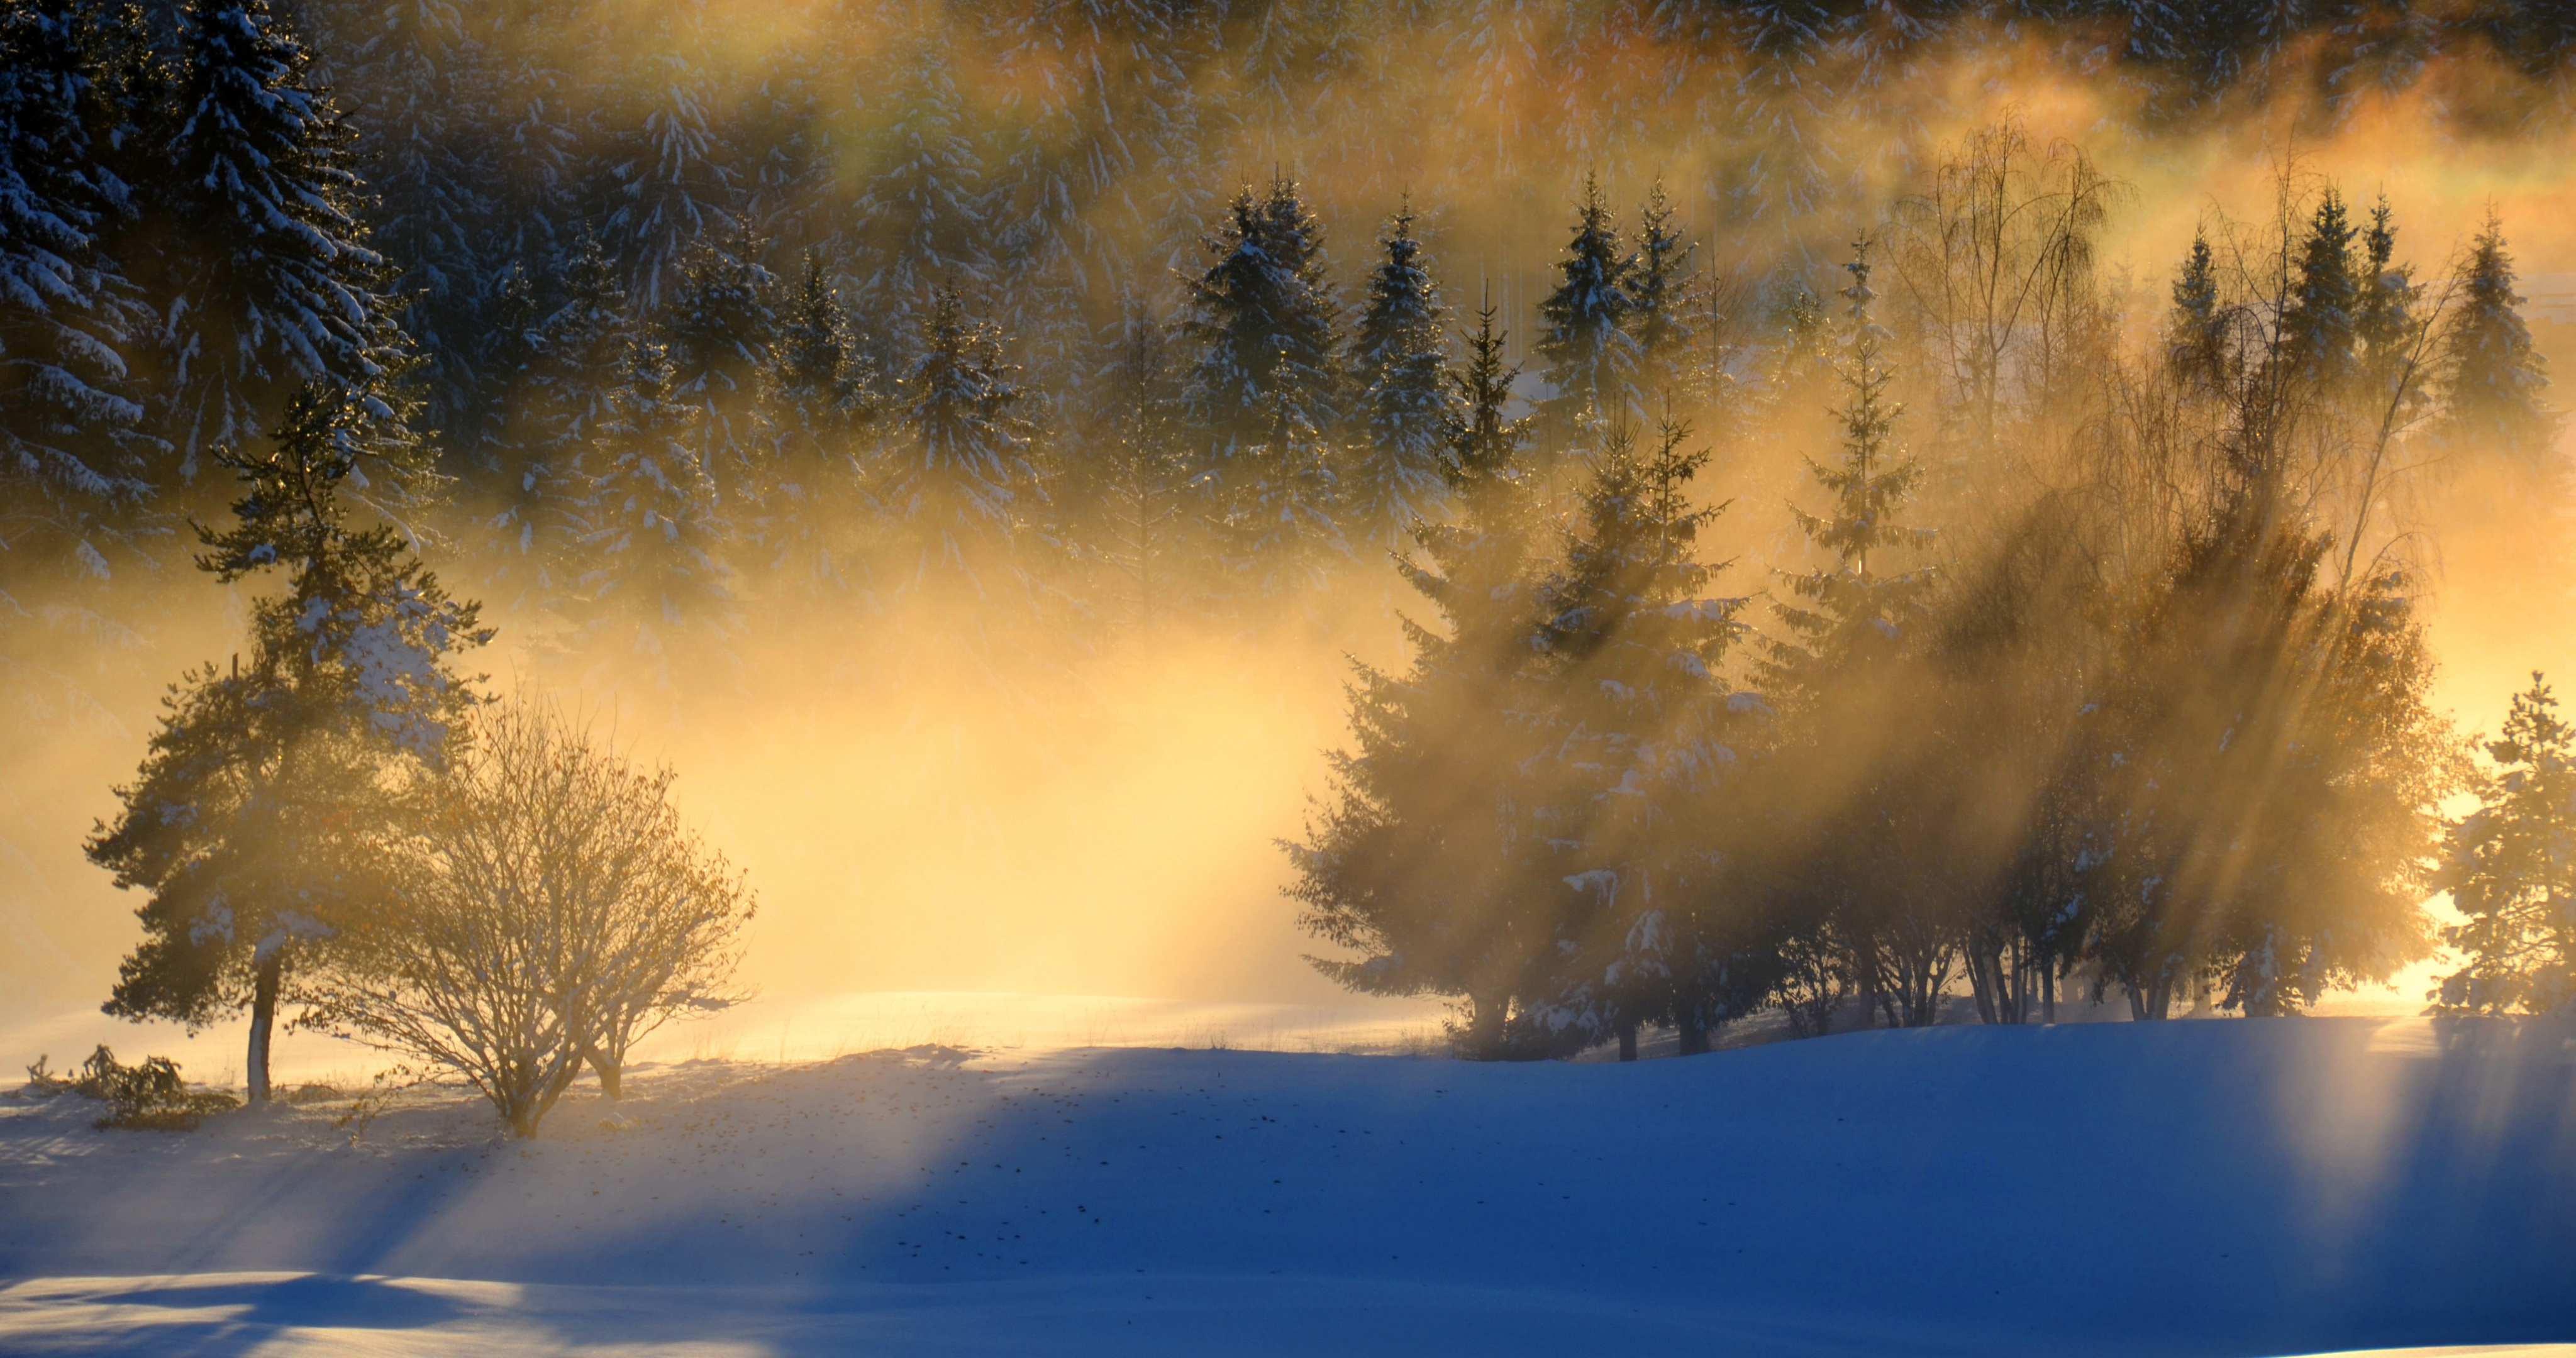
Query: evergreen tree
x,y
652,536
925,212
1425,858
2386,327
959,475
1590,356
1851,612
721,327
1398,361
2510,867
529,519
1140,468
257,818
74,456
1640,731
1661,295
2198,347
2493,378
669,178
823,397
2319,334
1263,391
275,282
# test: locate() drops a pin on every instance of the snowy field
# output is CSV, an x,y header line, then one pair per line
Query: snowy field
x,y
2227,1189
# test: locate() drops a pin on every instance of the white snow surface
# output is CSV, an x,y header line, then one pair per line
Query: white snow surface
x,y
2221,1189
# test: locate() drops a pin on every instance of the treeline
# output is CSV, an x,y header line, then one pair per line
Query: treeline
x,y
2147,716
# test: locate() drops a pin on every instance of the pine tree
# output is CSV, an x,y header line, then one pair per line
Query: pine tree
x,y
528,516
823,397
1661,296
2510,867
1852,612
2198,346
2386,327
1139,468
2492,376
75,459
276,283
721,327
257,818
670,179
959,476
925,213
1639,735
1397,480
1263,394
1590,356
652,537
1424,859
2319,321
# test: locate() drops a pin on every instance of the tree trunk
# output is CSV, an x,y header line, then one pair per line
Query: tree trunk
x,y
1693,1036
266,982
2048,993
1485,1015
1628,1040
611,1073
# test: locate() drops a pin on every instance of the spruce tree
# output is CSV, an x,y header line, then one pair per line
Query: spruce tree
x,y
2493,378
2386,327
652,537
1639,737
1591,359
2510,867
528,511
1396,478
1425,857
1263,394
276,283
75,458
1661,295
823,397
959,477
1853,611
2198,347
926,213
2319,320
720,325
257,819
1138,469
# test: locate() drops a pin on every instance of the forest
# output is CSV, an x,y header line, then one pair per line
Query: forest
x,y
1776,560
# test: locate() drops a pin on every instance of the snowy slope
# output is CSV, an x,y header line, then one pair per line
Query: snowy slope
x,y
2215,1188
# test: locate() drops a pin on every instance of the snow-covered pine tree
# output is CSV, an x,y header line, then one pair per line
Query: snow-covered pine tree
x,y
1640,753
720,325
1591,359
1137,472
2386,327
957,480
1396,479
257,819
528,518
822,397
1842,634
924,214
669,178
2199,348
2510,867
1426,858
275,282
652,539
1852,612
1264,389
75,460
2318,322
412,79
2493,379
1662,297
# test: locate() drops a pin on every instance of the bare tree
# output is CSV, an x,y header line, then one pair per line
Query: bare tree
x,y
549,910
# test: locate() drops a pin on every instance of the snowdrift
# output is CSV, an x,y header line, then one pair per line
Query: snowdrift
x,y
2184,1190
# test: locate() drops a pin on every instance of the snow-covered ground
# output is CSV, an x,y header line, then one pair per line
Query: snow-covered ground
x,y
2231,1188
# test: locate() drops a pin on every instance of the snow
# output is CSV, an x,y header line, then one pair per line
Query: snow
x,y
2237,1187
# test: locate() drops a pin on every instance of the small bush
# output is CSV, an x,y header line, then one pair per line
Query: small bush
x,y
148,1096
